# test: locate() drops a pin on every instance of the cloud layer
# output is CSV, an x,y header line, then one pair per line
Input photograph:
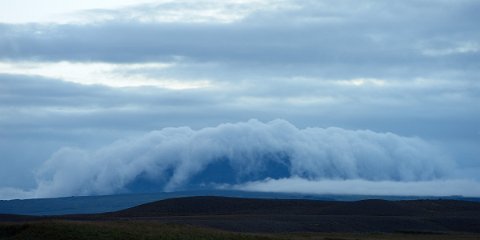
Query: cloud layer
x,y
448,187
118,71
232,154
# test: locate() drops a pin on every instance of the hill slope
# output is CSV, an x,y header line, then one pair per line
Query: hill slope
x,y
289,215
110,203
193,206
283,215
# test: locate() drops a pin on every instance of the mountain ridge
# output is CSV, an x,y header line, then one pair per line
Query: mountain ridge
x,y
293,215
110,203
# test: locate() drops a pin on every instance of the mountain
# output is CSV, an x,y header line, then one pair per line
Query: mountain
x,y
110,203
205,205
292,215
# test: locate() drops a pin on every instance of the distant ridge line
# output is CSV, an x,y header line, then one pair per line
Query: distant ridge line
x,y
214,205
294,215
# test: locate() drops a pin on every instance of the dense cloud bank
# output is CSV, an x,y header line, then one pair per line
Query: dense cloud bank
x,y
449,187
235,154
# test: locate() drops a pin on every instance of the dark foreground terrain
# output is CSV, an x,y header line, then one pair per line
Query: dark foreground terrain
x,y
239,218
43,230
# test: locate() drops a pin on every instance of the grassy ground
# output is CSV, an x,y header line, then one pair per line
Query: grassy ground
x,y
113,230
152,230
378,236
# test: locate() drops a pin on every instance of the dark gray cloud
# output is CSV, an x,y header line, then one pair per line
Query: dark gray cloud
x,y
373,39
383,108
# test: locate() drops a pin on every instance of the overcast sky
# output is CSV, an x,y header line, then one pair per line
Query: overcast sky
x,y
80,75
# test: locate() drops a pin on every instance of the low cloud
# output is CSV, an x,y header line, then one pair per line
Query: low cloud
x,y
247,154
364,187
15,193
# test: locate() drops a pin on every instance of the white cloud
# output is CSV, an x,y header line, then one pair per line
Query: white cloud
x,y
108,74
448,187
28,11
15,193
184,11
166,11
173,158
357,82
457,48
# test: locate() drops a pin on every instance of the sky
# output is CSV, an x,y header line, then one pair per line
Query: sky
x,y
343,97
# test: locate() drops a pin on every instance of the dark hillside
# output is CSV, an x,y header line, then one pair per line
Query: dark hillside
x,y
282,215
192,206
288,215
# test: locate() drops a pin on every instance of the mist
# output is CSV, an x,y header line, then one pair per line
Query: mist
x,y
238,155
437,188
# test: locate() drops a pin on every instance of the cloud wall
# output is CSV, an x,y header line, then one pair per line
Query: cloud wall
x,y
182,158
449,187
